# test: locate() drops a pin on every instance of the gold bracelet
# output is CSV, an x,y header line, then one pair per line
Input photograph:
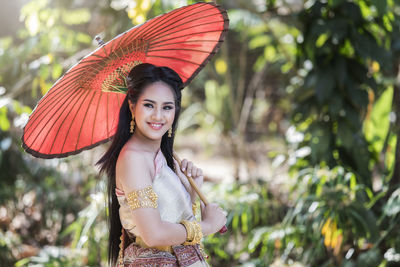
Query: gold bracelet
x,y
198,233
189,229
194,233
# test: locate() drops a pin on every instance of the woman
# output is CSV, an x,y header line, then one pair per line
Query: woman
x,y
150,201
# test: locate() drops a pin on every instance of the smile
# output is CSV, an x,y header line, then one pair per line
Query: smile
x,y
156,126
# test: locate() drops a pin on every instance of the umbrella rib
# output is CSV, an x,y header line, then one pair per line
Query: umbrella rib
x,y
128,35
122,39
185,35
95,116
183,42
59,128
166,33
73,119
119,105
107,109
108,95
184,60
172,24
92,64
181,75
54,95
179,49
84,118
148,25
153,29
95,55
48,104
49,92
53,123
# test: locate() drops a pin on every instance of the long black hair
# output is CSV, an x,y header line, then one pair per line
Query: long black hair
x,y
138,79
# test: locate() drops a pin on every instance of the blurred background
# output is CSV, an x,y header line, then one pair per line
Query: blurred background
x,y
294,122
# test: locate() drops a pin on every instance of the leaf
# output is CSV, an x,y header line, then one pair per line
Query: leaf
x,y
321,40
381,6
244,221
324,84
76,16
4,122
258,235
392,207
345,134
340,68
259,41
335,3
56,71
335,105
376,125
371,258
353,12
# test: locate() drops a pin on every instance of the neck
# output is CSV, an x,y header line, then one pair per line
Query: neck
x,y
143,143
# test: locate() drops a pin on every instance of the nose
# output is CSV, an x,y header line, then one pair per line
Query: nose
x,y
157,114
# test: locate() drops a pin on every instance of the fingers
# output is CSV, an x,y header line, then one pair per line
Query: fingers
x,y
177,167
184,163
182,177
223,211
217,207
202,206
189,169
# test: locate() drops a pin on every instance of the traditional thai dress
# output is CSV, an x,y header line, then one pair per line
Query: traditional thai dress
x,y
174,205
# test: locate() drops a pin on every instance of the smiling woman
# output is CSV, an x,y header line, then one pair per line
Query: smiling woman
x,y
150,202
153,115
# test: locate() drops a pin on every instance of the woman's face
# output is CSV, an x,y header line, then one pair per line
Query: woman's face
x,y
154,111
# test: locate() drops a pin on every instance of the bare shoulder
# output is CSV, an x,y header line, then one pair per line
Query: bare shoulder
x,y
133,170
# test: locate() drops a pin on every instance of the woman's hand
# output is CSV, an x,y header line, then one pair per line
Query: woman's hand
x,y
213,218
191,171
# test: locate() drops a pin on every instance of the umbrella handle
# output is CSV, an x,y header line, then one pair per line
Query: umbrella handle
x,y
199,193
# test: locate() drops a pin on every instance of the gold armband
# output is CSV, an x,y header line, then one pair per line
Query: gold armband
x,y
144,198
194,233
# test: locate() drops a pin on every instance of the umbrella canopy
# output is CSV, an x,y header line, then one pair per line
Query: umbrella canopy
x,y
81,109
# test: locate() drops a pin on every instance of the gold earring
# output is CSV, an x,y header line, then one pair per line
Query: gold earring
x,y
170,132
132,124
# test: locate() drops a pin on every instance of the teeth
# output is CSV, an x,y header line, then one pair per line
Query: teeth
x,y
156,125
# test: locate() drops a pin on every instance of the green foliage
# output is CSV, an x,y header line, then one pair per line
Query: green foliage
x,y
334,208
332,61
338,49
88,244
343,110
253,213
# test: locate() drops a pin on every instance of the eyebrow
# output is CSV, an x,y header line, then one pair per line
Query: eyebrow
x,y
152,101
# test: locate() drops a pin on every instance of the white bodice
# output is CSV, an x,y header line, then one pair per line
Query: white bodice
x,y
174,204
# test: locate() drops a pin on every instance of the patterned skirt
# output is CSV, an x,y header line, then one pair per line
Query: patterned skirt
x,y
182,256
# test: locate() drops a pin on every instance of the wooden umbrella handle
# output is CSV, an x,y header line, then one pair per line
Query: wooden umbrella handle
x,y
199,193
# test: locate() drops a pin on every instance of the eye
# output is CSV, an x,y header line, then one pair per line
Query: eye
x,y
148,105
168,107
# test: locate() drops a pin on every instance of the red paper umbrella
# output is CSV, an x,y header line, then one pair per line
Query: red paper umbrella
x,y
81,110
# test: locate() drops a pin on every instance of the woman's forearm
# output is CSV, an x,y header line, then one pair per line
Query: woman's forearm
x,y
170,234
165,234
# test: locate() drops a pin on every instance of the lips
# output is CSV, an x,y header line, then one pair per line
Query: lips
x,y
155,126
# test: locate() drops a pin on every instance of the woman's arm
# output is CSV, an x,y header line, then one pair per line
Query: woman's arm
x,y
133,171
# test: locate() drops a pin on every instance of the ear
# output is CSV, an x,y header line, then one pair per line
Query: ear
x,y
131,106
